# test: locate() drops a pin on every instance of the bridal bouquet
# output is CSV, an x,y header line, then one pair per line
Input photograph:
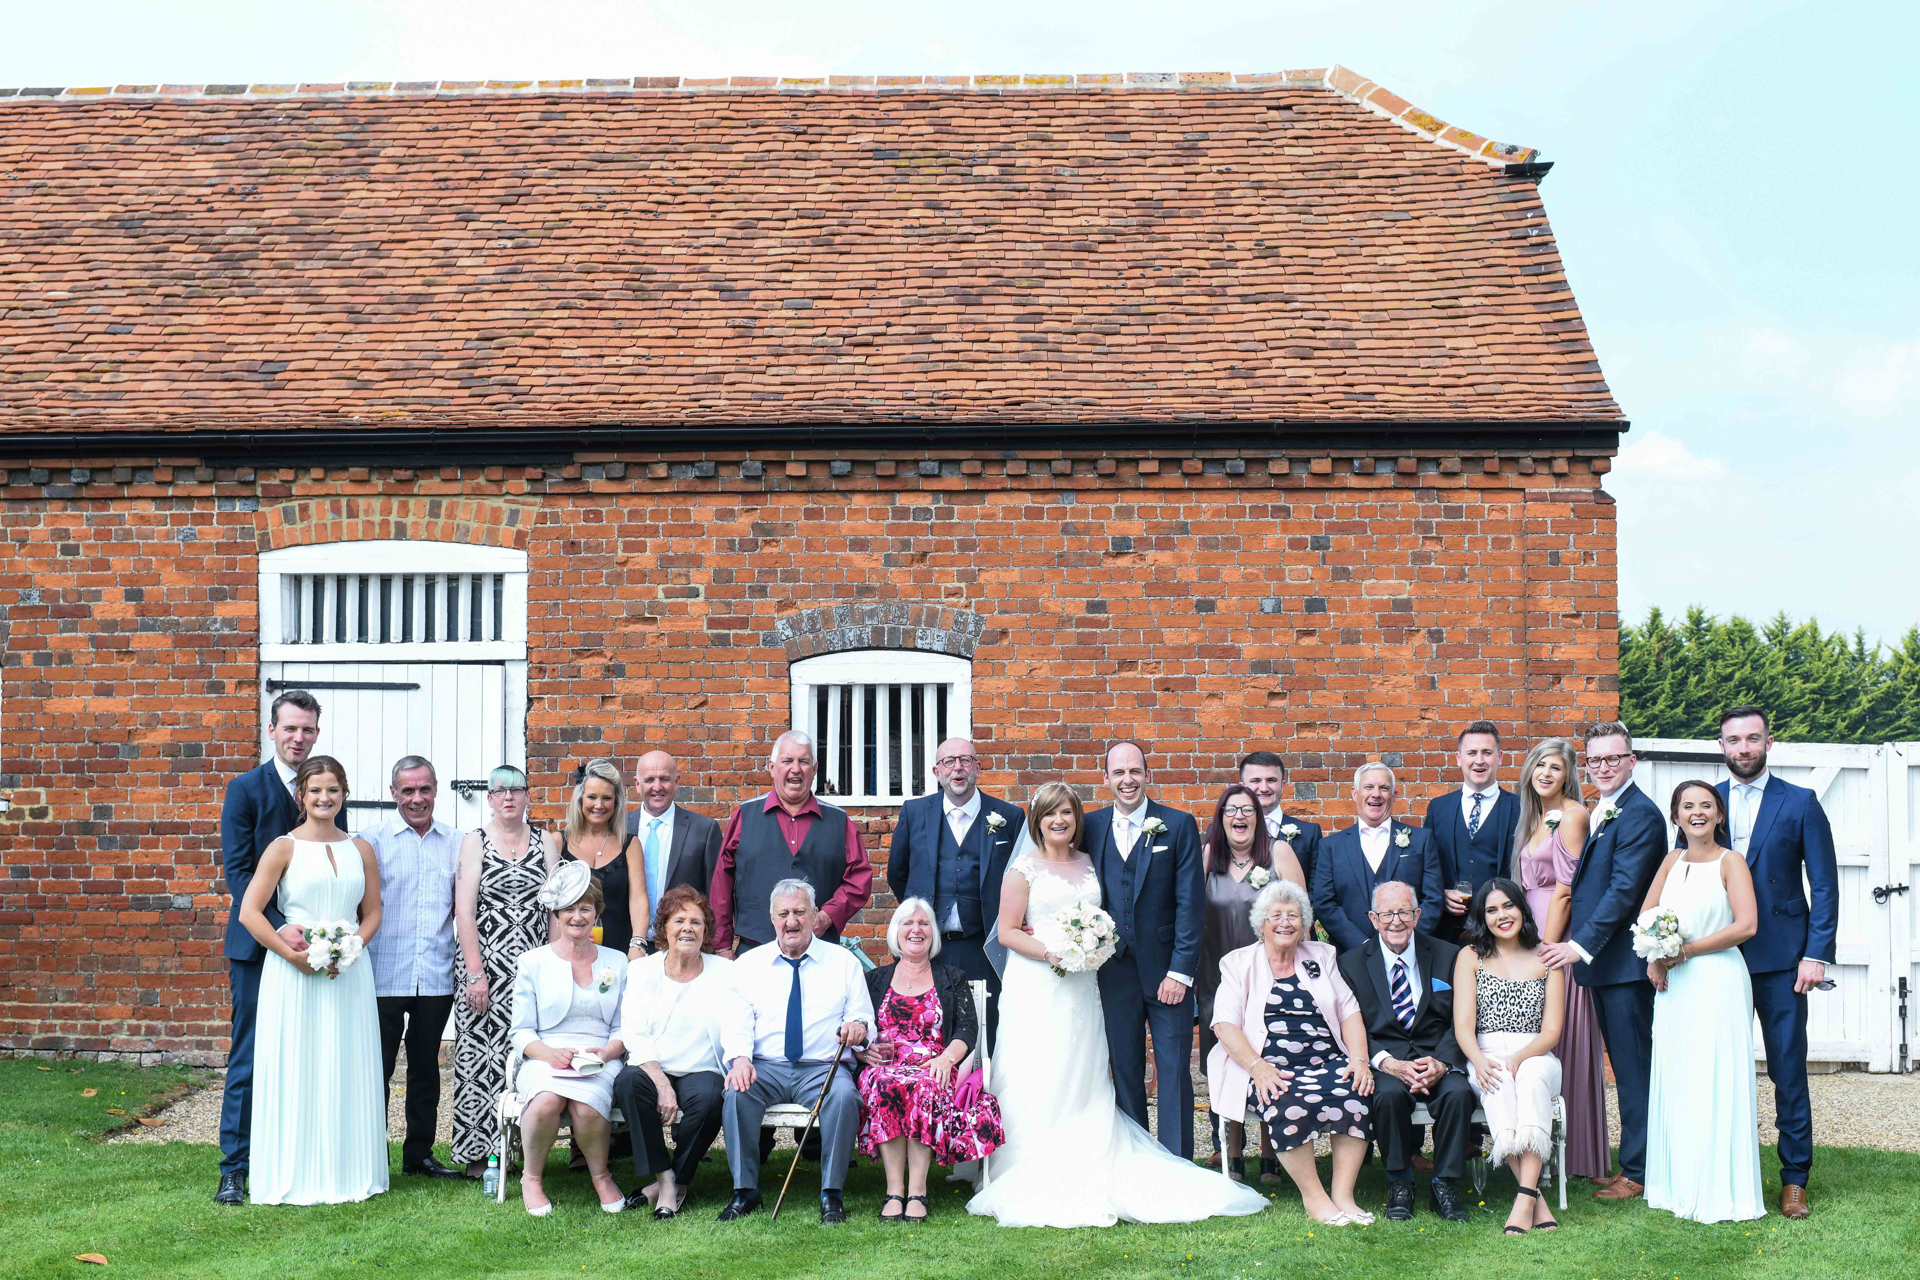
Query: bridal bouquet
x,y
333,947
1081,938
1657,934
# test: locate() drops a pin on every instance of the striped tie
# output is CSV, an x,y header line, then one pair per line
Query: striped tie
x,y
1402,994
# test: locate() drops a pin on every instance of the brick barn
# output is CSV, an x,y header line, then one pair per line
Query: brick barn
x,y
542,421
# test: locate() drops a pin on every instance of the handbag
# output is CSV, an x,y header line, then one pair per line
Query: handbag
x,y
971,1089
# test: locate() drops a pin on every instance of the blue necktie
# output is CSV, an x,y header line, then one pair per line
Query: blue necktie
x,y
795,1032
1402,994
1473,819
656,873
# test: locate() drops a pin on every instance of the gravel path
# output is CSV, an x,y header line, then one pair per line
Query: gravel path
x,y
1850,1109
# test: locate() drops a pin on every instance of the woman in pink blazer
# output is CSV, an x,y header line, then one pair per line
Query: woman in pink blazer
x,y
1309,1074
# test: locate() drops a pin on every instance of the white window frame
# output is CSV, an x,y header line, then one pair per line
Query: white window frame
x,y
395,556
867,667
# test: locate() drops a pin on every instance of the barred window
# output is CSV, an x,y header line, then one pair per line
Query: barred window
x,y
877,717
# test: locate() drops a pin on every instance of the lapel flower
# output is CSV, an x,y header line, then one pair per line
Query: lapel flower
x,y
1552,820
1290,831
607,978
1402,838
995,822
1607,815
1258,877
1153,827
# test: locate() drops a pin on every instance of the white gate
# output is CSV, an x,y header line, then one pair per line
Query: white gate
x,y
373,713
412,648
1876,833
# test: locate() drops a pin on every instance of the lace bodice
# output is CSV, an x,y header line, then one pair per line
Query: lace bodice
x,y
1508,1005
1052,886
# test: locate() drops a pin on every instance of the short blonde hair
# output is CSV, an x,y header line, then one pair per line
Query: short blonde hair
x,y
903,913
1278,891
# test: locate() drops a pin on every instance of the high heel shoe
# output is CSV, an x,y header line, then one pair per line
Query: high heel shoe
x,y
1532,1193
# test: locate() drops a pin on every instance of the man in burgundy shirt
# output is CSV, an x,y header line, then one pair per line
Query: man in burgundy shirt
x,y
788,833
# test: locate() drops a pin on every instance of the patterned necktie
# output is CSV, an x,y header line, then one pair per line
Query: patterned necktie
x,y
1473,818
1402,994
796,1033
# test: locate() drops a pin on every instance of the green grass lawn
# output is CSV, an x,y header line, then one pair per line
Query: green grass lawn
x,y
149,1210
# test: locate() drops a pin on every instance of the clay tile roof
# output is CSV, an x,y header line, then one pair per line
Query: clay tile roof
x,y
1295,247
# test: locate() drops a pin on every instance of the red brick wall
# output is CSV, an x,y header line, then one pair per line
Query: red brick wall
x,y
1332,607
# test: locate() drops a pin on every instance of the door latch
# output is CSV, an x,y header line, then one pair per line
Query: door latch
x,y
1882,893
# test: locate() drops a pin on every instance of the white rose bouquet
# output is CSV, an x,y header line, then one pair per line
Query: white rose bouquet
x,y
1081,939
1657,934
331,948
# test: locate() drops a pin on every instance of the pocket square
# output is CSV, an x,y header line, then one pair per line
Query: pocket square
x,y
1159,848
1440,984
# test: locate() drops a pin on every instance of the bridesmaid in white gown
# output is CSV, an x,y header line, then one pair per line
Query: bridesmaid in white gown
x,y
1703,1143
319,1106
1071,1158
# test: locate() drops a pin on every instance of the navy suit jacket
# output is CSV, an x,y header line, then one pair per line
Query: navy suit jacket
x,y
256,812
1791,835
1446,826
913,864
1306,845
1616,869
1169,890
1343,883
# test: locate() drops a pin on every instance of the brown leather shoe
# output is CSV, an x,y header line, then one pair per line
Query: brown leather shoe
x,y
1421,1164
1793,1201
1621,1188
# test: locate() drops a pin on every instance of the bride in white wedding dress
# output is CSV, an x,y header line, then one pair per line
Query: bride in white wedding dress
x,y
1071,1159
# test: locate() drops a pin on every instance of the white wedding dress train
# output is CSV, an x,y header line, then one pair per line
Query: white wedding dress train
x,y
1071,1158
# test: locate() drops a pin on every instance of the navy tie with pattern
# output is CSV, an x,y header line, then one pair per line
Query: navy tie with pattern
x,y
1402,994
795,1030
1473,819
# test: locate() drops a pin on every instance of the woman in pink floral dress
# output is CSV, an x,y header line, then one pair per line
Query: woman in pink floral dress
x,y
925,1028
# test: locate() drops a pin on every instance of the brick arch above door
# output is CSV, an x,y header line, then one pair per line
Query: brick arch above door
x,y
488,522
881,624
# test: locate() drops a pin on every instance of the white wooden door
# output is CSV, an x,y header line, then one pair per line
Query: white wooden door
x,y
1897,894
1846,1024
373,713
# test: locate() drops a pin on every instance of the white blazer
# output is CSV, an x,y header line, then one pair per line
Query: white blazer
x,y
543,992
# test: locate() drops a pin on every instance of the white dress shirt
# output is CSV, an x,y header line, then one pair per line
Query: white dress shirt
x,y
285,771
657,866
415,951
676,1024
1411,962
960,818
1374,841
833,991
1275,821
1599,807
1743,807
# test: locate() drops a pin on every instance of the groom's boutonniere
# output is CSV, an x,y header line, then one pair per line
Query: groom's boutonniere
x,y
1258,877
607,978
1552,820
1153,827
1289,831
995,822
1402,838
1607,815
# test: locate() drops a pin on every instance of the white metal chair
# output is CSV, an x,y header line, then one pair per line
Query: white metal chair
x,y
1476,1165
508,1108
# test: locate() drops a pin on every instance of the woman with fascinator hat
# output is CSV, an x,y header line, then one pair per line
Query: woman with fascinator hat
x,y
566,1014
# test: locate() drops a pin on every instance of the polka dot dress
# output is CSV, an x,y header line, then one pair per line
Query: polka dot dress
x,y
1317,1100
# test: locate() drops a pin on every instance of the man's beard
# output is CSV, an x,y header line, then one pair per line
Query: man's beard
x,y
1747,775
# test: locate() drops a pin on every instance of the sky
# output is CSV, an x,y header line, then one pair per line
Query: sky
x,y
1733,195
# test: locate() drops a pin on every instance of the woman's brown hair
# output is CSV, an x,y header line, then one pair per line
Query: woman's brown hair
x,y
313,767
672,902
1052,796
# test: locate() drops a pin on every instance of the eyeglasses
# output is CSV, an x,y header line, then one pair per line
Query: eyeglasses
x,y
1394,915
1239,811
508,791
966,760
1608,762
1284,917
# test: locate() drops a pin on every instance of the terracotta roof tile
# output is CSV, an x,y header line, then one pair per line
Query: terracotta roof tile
x,y
1299,246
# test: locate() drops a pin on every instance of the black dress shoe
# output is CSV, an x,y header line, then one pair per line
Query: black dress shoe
x,y
742,1204
1445,1200
233,1189
1400,1201
810,1149
832,1211
428,1167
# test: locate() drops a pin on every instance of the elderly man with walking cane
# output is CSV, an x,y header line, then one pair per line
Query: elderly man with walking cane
x,y
795,1008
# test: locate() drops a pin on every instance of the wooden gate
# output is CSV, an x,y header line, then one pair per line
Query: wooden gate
x,y
1876,830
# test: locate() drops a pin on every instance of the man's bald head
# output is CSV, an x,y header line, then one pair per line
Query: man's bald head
x,y
657,778
956,767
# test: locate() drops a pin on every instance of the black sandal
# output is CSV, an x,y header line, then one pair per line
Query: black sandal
x,y
1551,1224
1532,1193
896,1217
923,1204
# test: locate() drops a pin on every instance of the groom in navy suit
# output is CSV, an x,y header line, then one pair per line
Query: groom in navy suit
x,y
951,849
1626,843
258,810
1787,841
1472,827
1153,884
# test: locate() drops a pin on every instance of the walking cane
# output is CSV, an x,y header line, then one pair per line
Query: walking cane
x,y
800,1140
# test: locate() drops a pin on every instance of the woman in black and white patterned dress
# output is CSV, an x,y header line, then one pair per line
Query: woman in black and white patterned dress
x,y
1507,1012
498,916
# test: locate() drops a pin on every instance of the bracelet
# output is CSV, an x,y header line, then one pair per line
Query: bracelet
x,y
476,977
